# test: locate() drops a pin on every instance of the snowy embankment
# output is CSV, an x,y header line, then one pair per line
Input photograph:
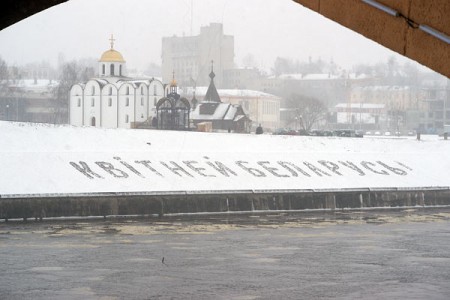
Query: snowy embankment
x,y
40,159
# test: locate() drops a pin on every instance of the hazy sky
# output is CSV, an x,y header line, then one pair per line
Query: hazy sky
x,y
264,28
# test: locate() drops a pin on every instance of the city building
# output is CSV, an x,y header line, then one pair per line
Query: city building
x,y
31,100
113,100
261,108
241,78
437,97
404,105
366,116
190,56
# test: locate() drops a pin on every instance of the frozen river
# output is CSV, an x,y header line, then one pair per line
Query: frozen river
x,y
396,254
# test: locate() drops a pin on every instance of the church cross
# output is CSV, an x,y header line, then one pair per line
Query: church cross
x,y
212,65
112,39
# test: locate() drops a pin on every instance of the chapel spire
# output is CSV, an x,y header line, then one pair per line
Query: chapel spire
x,y
173,84
212,75
211,94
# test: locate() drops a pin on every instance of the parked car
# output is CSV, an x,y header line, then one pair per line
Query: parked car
x,y
280,131
317,132
303,132
347,133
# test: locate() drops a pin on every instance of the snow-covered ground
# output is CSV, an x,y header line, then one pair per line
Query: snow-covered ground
x,y
38,159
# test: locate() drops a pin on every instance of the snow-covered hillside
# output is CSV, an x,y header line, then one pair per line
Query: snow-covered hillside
x,y
38,159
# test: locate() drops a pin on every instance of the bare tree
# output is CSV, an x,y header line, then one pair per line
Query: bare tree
x,y
307,111
69,75
4,78
4,75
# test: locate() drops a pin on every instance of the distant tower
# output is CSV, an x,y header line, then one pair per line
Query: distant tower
x,y
189,56
111,62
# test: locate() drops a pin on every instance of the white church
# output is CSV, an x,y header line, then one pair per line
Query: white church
x,y
113,100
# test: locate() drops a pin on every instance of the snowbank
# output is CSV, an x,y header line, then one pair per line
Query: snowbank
x,y
41,159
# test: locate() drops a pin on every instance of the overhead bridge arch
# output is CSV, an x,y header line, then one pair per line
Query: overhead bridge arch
x,y
417,29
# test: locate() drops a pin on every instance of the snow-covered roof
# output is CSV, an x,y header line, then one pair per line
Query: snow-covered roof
x,y
43,159
318,76
201,92
223,111
118,81
298,76
382,88
38,85
360,105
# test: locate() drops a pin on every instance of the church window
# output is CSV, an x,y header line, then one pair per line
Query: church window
x,y
111,67
120,70
155,90
93,90
127,91
110,91
127,102
93,121
126,118
110,102
103,69
154,101
142,116
142,101
142,90
92,102
79,102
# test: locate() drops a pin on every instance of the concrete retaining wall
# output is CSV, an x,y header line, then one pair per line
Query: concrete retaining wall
x,y
159,205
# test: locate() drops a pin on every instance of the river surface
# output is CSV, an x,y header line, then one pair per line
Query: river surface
x,y
379,254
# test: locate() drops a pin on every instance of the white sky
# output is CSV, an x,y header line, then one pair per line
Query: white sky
x,y
264,28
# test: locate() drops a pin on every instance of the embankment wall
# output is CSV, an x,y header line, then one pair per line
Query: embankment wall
x,y
106,205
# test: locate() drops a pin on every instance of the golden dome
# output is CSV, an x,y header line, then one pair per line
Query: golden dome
x,y
112,56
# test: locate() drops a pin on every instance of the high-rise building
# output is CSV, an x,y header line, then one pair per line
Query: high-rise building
x,y
190,56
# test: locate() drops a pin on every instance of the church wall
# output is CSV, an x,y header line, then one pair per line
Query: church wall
x,y
141,102
109,112
126,105
109,106
155,92
75,111
92,103
113,113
